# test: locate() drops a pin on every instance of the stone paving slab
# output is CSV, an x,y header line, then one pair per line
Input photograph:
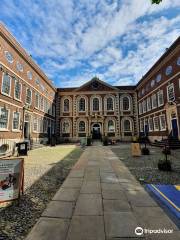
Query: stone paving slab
x,y
101,200
59,209
89,204
67,194
76,174
120,224
73,183
49,228
114,195
111,186
86,228
153,218
116,205
140,198
108,178
91,187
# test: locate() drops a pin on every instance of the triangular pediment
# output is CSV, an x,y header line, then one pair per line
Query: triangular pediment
x,y
95,84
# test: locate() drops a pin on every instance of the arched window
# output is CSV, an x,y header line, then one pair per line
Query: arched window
x,y
66,105
95,104
81,126
66,127
110,104
82,105
127,126
111,127
126,103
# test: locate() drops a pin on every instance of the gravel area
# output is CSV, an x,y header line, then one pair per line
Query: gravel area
x,y
145,167
45,171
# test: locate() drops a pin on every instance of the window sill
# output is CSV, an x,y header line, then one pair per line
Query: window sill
x,y
5,94
19,100
4,130
17,131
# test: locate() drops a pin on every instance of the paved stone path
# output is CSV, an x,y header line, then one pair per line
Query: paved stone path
x,y
99,200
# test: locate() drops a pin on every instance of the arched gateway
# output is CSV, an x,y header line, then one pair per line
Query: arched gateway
x,y
96,131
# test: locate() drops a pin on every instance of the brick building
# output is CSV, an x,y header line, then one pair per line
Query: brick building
x,y
97,109
27,96
32,108
159,96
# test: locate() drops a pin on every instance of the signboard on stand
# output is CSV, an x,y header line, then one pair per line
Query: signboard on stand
x,y
136,149
11,179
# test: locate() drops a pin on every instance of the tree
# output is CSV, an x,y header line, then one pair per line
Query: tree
x,y
156,1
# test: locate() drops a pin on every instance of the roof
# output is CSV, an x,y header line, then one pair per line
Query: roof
x,y
168,51
17,46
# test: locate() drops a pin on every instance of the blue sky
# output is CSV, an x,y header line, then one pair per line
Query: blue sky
x,y
73,41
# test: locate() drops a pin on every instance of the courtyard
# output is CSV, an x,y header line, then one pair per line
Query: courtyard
x,y
145,168
103,197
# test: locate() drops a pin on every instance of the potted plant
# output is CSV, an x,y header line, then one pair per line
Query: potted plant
x,y
166,150
89,141
145,150
165,164
105,140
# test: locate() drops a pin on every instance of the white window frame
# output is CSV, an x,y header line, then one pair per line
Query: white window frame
x,y
156,129
149,105
170,85
126,110
66,111
152,100
158,97
141,125
100,103
37,94
8,95
14,129
150,129
35,118
84,104
140,108
84,125
114,129
112,98
160,122
18,99
26,96
144,106
5,129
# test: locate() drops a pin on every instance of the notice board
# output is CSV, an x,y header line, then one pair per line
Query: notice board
x,y
11,179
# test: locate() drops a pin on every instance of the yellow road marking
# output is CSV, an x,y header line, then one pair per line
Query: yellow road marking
x,y
178,209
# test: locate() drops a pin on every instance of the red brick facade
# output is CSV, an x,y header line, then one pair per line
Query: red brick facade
x,y
20,119
162,78
28,104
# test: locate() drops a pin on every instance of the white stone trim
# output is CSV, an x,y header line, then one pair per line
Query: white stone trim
x,y
130,102
100,103
105,102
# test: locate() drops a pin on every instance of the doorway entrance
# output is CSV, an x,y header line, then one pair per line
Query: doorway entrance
x,y
174,128
27,127
96,131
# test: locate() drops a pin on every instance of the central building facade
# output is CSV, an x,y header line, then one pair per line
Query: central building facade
x,y
97,109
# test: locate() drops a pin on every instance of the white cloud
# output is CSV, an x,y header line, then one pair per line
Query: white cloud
x,y
75,40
